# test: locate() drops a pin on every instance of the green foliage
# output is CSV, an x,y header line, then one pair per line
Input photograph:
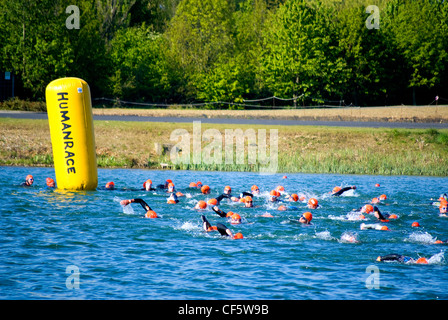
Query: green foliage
x,y
186,51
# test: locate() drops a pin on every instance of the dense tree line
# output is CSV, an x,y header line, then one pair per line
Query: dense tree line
x,y
184,51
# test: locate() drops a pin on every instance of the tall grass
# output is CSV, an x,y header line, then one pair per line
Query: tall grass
x,y
300,148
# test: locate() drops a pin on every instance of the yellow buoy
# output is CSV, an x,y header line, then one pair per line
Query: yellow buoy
x,y
70,118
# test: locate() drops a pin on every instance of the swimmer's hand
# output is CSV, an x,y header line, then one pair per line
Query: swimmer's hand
x,y
125,202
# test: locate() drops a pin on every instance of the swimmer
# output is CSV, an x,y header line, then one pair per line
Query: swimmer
x,y
172,199
337,191
147,185
383,217
50,183
110,185
255,190
248,202
165,185
205,189
201,205
192,185
233,198
274,196
401,258
442,199
29,180
171,188
293,198
222,229
199,184
313,203
373,226
149,212
305,218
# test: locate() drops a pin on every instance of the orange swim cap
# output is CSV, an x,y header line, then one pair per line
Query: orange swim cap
x,y
179,194
110,185
169,181
171,201
212,228
147,183
368,208
415,224
236,218
205,189
308,216
254,188
302,198
280,188
29,177
50,182
227,188
202,204
274,193
438,242
229,214
383,197
384,228
281,208
443,203
295,197
192,185
238,235
199,184
375,200
393,216
422,261
336,189
151,214
313,203
212,201
247,199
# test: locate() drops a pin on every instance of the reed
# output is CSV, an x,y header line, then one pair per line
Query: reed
x,y
307,149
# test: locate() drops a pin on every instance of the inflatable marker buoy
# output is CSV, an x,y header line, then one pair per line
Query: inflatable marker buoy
x,y
72,136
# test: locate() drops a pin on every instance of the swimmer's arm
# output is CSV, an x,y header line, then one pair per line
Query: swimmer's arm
x,y
343,190
222,196
245,194
221,213
142,203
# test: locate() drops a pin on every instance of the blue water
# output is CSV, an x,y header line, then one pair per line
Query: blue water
x,y
50,239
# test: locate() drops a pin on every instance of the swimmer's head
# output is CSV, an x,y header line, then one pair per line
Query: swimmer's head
x,y
280,189
336,189
192,185
199,184
229,214
274,194
147,184
422,260
281,208
306,218
50,183
375,200
294,197
238,235
151,214
235,219
255,189
29,180
201,205
368,208
227,190
312,203
383,197
170,187
110,185
248,202
205,189
212,202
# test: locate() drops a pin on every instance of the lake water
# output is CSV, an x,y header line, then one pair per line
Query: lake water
x,y
50,239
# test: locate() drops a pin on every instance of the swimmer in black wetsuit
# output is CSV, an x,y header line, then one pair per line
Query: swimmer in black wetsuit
x,y
28,181
222,229
234,199
401,258
337,191
149,212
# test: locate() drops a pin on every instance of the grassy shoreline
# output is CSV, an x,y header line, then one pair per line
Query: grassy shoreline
x,y
305,149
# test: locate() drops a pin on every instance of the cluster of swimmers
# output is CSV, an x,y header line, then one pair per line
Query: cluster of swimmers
x,y
279,196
